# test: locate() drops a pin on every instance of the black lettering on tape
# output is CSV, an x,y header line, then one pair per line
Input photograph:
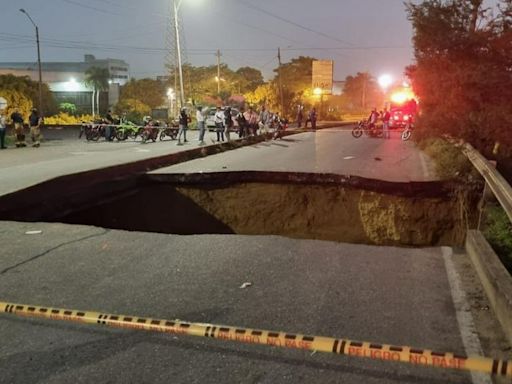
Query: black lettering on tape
x,y
504,367
141,321
273,334
257,333
212,333
99,319
155,322
19,307
356,344
460,357
115,318
495,367
128,319
55,311
438,354
68,313
31,309
80,314
170,323
395,349
416,351
43,310
308,338
206,332
335,346
240,331
342,348
223,329
290,337
185,325
375,346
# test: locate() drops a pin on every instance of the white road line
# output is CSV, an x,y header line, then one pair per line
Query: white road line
x,y
424,166
464,318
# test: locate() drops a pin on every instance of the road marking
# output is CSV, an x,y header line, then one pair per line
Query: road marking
x,y
349,157
423,162
467,327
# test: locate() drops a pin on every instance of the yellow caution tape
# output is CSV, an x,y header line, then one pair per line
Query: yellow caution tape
x,y
404,354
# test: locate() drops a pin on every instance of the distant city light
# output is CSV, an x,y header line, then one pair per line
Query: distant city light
x,y
317,91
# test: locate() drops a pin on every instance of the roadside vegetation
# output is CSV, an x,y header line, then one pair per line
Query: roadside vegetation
x,y
498,231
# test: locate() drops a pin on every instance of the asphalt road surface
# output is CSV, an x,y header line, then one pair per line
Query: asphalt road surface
x,y
416,297
386,295
331,150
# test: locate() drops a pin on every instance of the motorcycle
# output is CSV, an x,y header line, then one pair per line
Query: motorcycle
x,y
370,131
126,130
150,132
281,126
169,131
92,131
407,132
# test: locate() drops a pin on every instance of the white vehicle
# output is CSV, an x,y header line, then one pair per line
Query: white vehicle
x,y
210,117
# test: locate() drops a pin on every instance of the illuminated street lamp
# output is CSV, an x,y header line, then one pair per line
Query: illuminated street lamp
x,y
38,63
176,8
385,81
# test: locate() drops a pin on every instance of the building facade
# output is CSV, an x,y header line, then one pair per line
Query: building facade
x,y
66,80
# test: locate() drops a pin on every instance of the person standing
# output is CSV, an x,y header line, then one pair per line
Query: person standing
x,y
385,123
110,130
184,120
312,118
34,121
228,122
200,124
264,120
243,124
19,130
300,116
219,124
3,127
252,121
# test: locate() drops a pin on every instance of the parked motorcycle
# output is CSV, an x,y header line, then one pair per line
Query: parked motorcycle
x,y
170,130
281,126
150,131
407,132
370,131
126,130
92,130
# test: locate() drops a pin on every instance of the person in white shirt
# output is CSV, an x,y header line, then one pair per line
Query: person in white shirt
x,y
219,124
200,124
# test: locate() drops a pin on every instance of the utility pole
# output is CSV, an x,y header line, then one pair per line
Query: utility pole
x,y
38,63
280,82
218,72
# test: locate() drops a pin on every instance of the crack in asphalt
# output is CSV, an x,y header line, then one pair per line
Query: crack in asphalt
x,y
4,271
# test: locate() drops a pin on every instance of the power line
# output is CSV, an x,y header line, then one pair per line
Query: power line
x,y
280,18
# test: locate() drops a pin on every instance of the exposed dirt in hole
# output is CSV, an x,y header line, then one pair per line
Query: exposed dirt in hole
x,y
333,213
294,209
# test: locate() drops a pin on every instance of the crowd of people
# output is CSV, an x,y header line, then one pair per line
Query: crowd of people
x,y
34,124
245,123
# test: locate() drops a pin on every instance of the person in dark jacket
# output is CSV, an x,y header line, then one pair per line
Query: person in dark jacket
x,y
184,120
34,121
19,130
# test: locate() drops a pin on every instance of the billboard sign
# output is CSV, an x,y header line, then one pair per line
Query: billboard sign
x,y
322,75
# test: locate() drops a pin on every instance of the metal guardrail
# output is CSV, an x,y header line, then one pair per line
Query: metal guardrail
x,y
497,183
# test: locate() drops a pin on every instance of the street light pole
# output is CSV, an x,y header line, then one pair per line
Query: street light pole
x,y
38,63
177,5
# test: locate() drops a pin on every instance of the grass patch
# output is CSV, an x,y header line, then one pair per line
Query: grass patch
x,y
449,160
497,230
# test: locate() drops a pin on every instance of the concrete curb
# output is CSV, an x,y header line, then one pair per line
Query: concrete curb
x,y
496,280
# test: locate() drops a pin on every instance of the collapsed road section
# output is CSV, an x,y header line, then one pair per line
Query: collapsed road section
x,y
297,205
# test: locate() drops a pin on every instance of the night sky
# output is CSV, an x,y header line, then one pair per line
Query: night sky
x,y
359,35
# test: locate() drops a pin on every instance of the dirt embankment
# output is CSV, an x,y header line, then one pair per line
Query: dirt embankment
x,y
335,213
